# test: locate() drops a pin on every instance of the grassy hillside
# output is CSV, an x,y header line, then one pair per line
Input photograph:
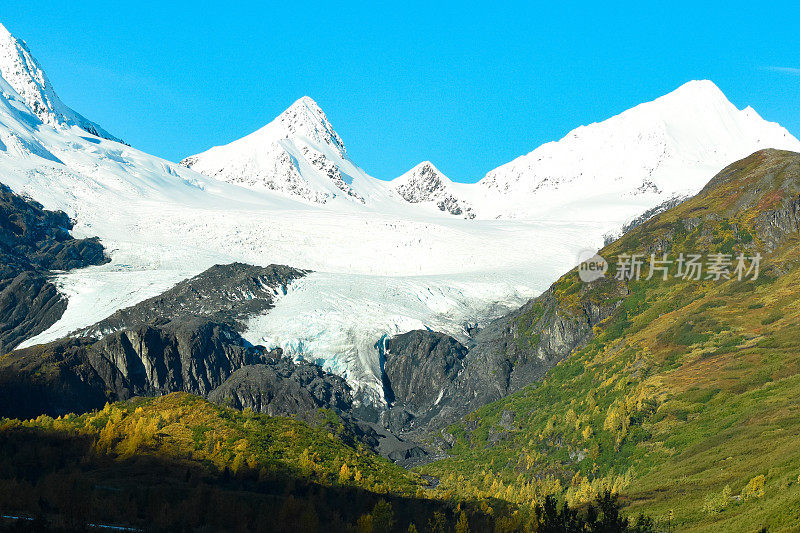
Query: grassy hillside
x,y
180,463
685,400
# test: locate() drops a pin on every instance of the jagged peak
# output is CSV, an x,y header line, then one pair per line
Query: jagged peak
x,y
23,73
278,156
306,102
424,171
423,177
426,165
426,183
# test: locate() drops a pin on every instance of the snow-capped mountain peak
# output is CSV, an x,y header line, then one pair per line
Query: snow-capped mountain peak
x,y
305,118
426,184
24,74
696,91
655,150
298,154
426,174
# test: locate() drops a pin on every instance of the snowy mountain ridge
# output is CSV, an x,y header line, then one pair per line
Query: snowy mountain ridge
x,y
22,72
305,118
612,170
658,149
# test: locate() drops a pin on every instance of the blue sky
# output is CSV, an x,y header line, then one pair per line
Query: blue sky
x,y
467,86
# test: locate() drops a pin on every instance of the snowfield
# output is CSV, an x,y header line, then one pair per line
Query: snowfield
x,y
386,256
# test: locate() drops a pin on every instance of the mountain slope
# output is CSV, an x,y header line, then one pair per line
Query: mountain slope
x,y
21,70
180,463
681,399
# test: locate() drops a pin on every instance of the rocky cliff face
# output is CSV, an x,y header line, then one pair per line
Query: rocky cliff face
x,y
34,239
187,355
776,225
34,242
29,304
197,356
279,386
435,379
417,363
418,369
75,375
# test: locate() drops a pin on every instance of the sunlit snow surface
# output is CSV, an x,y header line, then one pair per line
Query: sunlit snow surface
x,y
385,284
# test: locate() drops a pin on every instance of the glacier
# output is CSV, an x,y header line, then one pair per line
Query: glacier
x,y
386,257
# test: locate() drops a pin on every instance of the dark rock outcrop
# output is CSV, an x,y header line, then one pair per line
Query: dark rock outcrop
x,y
76,375
279,386
223,293
32,238
33,243
192,356
419,367
776,225
436,380
282,387
29,304
419,363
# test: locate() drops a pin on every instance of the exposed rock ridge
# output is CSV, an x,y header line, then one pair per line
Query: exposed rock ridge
x,y
33,243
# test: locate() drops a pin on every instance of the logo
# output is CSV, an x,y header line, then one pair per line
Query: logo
x,y
591,266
